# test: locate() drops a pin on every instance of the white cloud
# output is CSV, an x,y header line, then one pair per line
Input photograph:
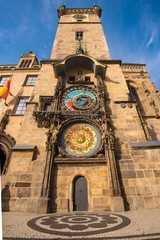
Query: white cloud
x,y
48,13
149,25
151,39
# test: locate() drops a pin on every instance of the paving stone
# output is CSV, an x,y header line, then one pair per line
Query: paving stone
x,y
139,224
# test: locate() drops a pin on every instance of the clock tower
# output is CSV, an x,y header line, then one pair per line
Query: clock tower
x,y
81,140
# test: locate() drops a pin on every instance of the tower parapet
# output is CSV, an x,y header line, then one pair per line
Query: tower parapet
x,y
95,10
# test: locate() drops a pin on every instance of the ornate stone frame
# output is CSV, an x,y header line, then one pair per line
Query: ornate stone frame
x,y
6,144
77,120
93,109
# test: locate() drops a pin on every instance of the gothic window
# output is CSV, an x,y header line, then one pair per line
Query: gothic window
x,y
21,106
47,107
30,80
72,78
46,103
79,36
133,92
3,80
87,79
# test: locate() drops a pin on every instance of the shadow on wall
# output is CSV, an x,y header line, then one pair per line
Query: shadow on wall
x,y
52,204
153,133
118,150
5,199
107,79
118,153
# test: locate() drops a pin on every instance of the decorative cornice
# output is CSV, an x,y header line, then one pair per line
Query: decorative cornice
x,y
128,67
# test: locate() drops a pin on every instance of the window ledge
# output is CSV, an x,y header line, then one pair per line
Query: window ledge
x,y
17,115
24,147
148,144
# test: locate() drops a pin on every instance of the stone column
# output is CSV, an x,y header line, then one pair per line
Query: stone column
x,y
115,191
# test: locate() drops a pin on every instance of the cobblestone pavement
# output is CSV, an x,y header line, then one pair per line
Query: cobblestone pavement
x,y
139,224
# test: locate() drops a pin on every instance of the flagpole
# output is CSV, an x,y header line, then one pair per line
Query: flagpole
x,y
12,70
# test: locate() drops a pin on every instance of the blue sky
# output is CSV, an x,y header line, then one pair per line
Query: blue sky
x,y
132,29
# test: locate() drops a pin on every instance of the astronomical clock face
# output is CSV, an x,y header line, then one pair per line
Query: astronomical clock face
x,y
80,98
80,139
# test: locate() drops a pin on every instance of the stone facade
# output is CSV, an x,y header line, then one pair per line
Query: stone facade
x,y
115,109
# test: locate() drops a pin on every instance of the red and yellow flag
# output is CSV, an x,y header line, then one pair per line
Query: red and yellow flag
x,y
4,91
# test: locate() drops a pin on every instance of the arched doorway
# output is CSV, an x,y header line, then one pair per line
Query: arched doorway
x,y
2,159
80,194
6,144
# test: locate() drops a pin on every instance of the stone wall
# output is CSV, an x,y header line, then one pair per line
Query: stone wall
x,y
98,186
138,167
93,43
140,178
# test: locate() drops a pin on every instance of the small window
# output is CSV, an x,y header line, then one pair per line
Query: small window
x,y
30,80
47,107
21,106
72,78
87,79
79,36
3,80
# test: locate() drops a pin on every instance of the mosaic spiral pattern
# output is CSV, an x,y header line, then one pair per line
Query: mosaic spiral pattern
x,y
80,139
79,224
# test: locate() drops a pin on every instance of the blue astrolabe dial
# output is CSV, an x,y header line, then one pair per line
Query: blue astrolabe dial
x,y
82,101
79,99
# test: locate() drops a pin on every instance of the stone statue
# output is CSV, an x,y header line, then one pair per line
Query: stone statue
x,y
52,136
55,131
5,120
109,139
